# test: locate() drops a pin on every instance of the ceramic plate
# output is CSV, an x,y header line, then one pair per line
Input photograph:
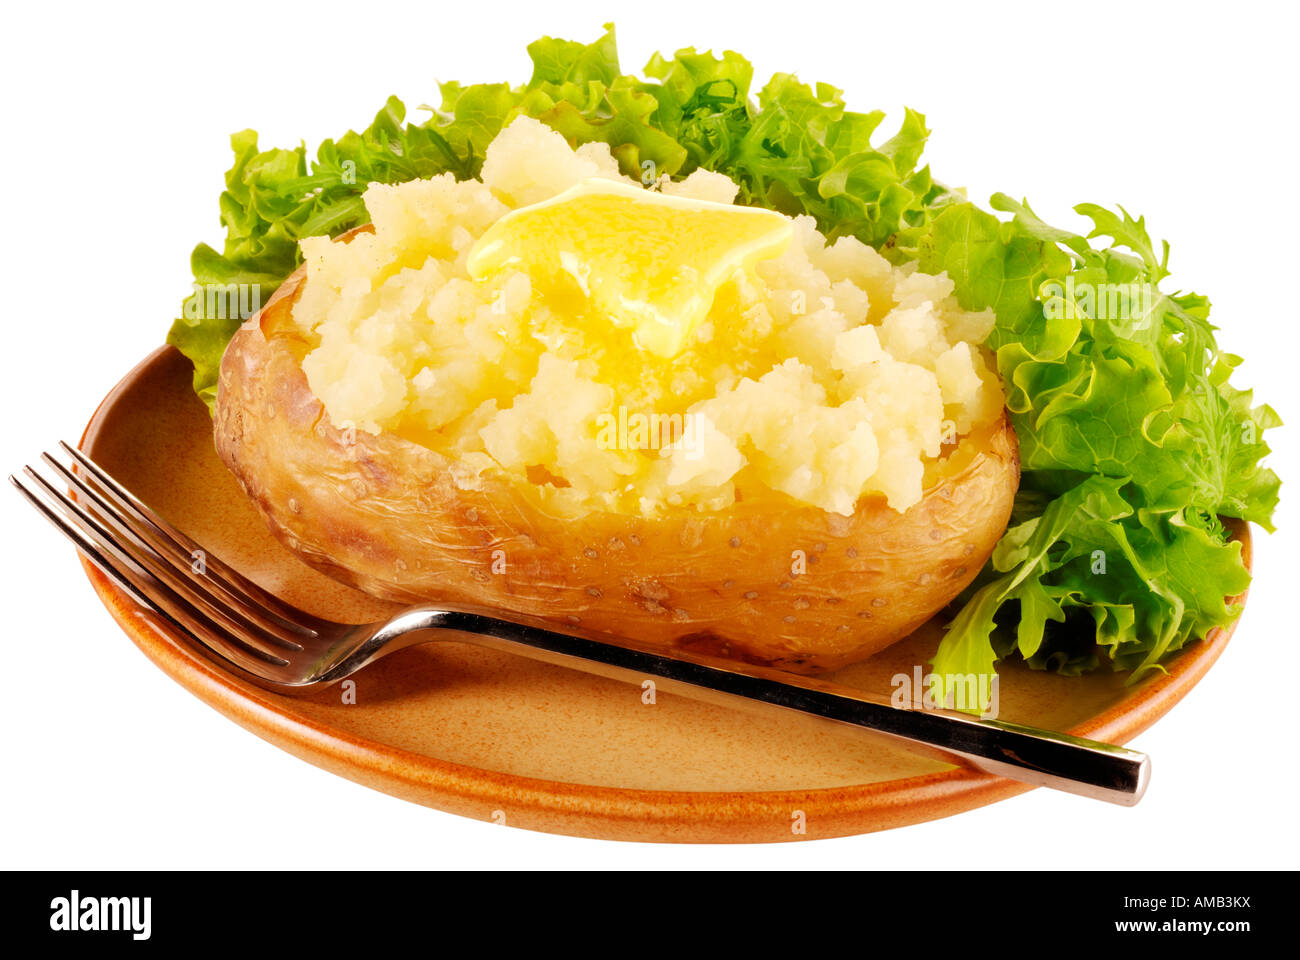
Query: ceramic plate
x,y
500,738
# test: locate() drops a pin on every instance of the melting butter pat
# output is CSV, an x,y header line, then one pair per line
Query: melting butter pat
x,y
641,259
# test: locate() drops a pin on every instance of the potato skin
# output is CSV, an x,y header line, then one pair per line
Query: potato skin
x,y
768,581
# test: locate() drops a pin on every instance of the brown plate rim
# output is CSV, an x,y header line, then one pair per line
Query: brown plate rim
x,y
613,812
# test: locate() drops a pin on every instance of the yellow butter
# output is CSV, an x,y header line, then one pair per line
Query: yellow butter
x,y
640,259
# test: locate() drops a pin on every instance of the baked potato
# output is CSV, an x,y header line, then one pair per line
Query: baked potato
x,y
765,581
766,578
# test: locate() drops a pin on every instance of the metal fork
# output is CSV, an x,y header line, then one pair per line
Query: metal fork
x,y
257,636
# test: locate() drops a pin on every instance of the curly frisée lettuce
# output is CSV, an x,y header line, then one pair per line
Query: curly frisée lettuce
x,y
790,147
1134,443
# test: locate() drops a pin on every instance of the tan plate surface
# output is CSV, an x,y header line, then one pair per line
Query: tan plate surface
x,y
487,735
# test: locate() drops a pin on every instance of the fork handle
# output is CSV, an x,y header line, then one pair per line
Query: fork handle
x,y
1042,758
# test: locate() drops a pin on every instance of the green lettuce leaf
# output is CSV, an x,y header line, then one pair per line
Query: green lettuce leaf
x,y
790,146
1133,445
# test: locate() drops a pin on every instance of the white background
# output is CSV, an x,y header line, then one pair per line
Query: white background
x,y
115,126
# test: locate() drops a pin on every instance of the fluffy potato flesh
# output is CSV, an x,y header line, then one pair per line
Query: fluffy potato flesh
x,y
811,465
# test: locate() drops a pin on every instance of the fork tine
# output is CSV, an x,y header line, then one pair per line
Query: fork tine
x,y
167,538
236,611
116,571
91,552
233,644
